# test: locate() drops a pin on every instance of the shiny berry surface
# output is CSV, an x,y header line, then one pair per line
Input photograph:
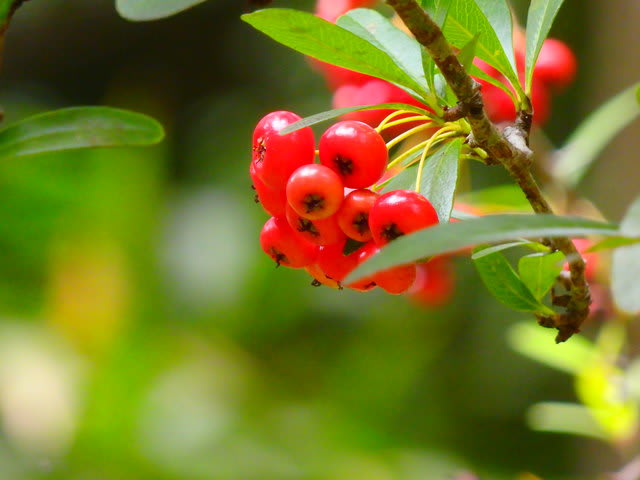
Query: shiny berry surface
x,y
315,191
321,232
398,213
353,216
355,151
280,242
277,156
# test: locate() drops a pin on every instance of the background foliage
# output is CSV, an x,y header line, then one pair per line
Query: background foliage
x,y
144,334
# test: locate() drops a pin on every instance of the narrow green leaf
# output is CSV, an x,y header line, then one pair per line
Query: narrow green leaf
x,y
539,271
468,53
505,285
429,67
5,10
405,52
437,9
505,246
534,342
331,114
491,19
625,268
569,418
143,10
78,127
611,243
330,43
501,197
450,237
476,72
539,20
440,177
594,133
405,180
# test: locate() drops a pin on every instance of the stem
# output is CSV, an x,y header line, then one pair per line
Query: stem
x,y
509,148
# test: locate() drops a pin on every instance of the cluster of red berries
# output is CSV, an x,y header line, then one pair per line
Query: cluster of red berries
x,y
325,218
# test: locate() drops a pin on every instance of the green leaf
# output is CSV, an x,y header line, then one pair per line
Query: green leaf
x,y
468,53
440,177
535,343
450,237
538,247
78,127
405,180
539,20
594,133
501,197
505,284
625,268
611,243
143,10
539,271
5,10
331,114
478,73
437,9
491,19
329,43
381,33
569,418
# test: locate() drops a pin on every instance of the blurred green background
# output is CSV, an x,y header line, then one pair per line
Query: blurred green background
x,y
144,335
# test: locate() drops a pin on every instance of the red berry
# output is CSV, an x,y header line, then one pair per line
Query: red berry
x,y
353,216
395,280
500,108
315,191
277,156
400,212
321,232
320,278
556,65
370,93
355,151
591,259
434,282
280,242
273,201
334,263
337,76
330,10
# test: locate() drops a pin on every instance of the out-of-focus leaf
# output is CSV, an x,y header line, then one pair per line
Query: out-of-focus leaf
x,y
505,285
539,271
450,237
625,269
331,114
380,32
570,418
78,127
440,177
143,10
536,343
594,133
313,36
491,19
598,387
539,20
612,242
